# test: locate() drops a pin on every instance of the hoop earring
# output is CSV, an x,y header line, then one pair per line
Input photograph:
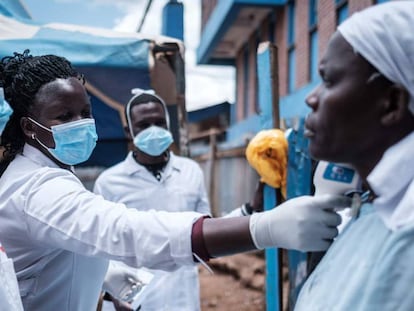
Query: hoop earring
x,y
33,136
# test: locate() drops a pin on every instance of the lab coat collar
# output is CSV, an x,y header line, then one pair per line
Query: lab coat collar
x,y
390,180
132,167
37,156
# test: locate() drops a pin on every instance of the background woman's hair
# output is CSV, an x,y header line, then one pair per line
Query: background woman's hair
x,y
21,76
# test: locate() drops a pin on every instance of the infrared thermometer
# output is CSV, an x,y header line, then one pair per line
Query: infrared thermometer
x,y
337,178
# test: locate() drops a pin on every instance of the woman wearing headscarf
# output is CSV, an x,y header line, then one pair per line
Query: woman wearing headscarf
x,y
363,114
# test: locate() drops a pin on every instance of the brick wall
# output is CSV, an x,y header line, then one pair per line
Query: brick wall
x,y
252,75
239,86
326,27
302,43
281,42
326,23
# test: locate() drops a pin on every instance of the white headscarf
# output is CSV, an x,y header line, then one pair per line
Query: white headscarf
x,y
384,35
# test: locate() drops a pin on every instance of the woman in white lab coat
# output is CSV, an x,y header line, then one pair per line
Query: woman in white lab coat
x,y
60,236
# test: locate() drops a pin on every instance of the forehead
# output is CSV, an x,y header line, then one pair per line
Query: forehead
x,y
147,110
340,55
60,87
60,92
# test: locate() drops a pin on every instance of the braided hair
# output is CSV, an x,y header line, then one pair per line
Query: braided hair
x,y
21,76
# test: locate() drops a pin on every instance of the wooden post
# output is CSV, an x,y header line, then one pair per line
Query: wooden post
x,y
212,191
169,68
268,85
181,109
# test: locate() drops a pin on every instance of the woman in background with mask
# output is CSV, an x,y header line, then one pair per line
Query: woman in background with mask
x,y
153,177
60,236
9,290
5,111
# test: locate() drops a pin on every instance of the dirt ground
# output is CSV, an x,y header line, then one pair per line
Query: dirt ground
x,y
238,283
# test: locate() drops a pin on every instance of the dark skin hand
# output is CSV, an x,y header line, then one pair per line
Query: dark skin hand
x,y
120,305
233,239
233,236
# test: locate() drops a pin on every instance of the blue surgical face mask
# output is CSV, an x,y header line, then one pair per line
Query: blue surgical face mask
x,y
154,140
74,141
5,111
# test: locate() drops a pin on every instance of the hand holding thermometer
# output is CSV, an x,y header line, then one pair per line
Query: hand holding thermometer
x,y
335,178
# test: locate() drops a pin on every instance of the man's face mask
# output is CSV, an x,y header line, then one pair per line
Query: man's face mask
x,y
154,140
5,111
74,141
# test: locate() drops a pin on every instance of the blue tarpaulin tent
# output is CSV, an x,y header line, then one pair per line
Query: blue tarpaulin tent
x,y
113,63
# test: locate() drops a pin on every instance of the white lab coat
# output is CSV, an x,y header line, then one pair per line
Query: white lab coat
x,y
181,188
9,290
60,235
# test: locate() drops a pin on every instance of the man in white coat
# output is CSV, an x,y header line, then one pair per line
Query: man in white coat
x,y
152,176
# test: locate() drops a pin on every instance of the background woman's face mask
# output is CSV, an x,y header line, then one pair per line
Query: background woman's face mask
x,y
74,141
5,111
154,140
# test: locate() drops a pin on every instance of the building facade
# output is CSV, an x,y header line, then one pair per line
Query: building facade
x,y
232,29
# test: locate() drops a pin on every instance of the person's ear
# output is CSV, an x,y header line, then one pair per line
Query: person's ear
x,y
127,132
395,105
27,128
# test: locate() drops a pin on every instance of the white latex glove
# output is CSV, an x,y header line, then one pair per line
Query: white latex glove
x,y
305,223
121,282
